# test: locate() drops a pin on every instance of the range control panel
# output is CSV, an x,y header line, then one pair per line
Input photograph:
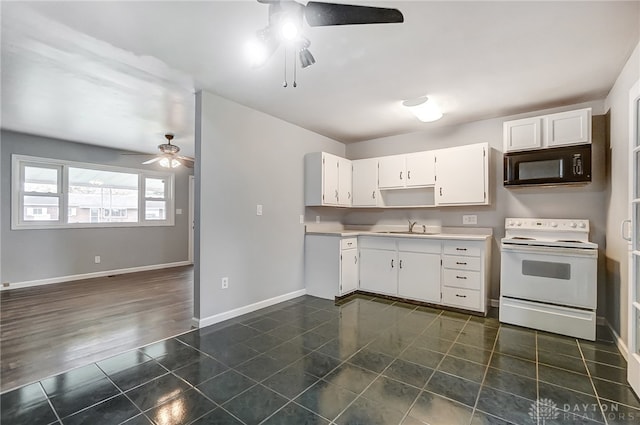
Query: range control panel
x,y
547,224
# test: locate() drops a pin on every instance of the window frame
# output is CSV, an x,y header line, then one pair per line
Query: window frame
x,y
19,162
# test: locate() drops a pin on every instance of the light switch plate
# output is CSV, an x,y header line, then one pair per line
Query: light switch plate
x,y
469,219
258,209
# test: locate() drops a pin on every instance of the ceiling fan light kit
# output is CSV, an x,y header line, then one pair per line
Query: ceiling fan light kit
x,y
285,27
424,109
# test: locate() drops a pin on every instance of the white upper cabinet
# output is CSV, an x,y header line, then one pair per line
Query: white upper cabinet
x,y
462,175
392,172
568,128
365,182
420,169
410,170
522,134
546,131
327,180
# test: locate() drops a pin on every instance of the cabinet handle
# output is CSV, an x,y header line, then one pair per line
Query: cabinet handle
x,y
400,175
409,175
392,263
373,194
355,259
349,243
457,262
461,277
461,249
336,193
400,263
461,296
440,191
622,230
348,195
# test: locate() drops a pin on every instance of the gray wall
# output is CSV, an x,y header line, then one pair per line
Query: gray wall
x,y
618,196
249,158
585,202
41,254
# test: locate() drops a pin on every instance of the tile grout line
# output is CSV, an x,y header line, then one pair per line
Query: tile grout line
x,y
48,401
595,391
486,372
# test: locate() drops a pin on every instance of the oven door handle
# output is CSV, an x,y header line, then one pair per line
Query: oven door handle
x,y
549,250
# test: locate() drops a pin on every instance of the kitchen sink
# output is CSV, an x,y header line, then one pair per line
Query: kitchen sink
x,y
405,232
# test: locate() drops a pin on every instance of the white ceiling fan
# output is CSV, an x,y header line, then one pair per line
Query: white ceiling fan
x,y
168,156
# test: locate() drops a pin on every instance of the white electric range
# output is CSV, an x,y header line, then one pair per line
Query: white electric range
x,y
548,276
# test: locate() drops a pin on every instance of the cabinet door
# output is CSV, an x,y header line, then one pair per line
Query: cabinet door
x,y
461,175
348,271
378,271
568,128
365,182
391,172
420,169
330,165
522,134
419,276
344,182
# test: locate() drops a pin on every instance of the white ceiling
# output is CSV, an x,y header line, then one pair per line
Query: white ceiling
x,y
124,73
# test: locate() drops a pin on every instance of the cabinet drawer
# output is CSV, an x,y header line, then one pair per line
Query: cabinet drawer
x,y
461,279
461,263
463,298
374,242
461,248
419,245
348,243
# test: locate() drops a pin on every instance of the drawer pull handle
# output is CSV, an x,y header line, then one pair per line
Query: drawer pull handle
x,y
400,263
391,263
461,296
461,277
457,262
461,249
349,243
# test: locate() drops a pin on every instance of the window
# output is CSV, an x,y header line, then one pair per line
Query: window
x,y
60,194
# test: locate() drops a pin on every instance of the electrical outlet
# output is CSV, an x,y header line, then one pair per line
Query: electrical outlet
x,y
258,209
97,259
225,282
317,219
301,218
469,219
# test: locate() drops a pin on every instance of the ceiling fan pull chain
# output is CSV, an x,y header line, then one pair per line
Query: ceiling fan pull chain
x,y
295,66
285,69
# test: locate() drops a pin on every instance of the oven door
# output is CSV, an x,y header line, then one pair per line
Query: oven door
x,y
556,275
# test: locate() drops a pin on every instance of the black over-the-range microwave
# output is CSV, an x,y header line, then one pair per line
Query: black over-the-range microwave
x,y
552,166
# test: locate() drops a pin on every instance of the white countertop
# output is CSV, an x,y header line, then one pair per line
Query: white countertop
x,y
454,233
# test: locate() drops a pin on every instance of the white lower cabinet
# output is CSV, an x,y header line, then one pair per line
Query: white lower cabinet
x,y
330,265
378,271
465,268
419,276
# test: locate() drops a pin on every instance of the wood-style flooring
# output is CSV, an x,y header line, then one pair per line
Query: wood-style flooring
x,y
49,329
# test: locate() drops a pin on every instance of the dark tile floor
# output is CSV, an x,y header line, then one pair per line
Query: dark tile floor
x,y
366,361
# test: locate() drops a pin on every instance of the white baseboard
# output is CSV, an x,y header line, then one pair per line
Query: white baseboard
x,y
70,278
220,317
619,341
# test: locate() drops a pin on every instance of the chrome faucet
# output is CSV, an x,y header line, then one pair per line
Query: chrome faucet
x,y
411,224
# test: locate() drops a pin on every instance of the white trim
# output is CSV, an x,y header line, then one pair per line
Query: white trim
x,y
220,317
191,218
619,341
70,278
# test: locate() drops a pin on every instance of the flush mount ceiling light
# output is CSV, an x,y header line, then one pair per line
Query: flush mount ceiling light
x,y
424,109
285,27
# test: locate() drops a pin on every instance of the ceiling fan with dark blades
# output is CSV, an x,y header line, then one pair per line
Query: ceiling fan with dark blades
x,y
168,156
285,26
